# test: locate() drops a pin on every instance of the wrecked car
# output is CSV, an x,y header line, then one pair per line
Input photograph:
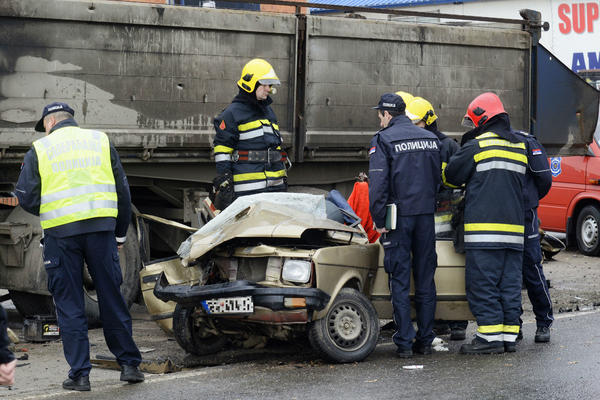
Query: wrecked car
x,y
275,265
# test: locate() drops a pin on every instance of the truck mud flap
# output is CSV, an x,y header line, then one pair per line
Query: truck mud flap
x,y
270,297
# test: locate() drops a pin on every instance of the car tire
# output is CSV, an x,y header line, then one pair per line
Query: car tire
x,y
588,231
188,336
350,329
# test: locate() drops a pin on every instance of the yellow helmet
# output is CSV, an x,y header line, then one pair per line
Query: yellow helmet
x,y
407,97
257,70
420,110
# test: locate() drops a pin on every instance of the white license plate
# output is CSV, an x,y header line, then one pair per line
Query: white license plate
x,y
229,305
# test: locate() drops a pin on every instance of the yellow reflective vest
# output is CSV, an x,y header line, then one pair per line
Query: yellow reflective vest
x,y
76,176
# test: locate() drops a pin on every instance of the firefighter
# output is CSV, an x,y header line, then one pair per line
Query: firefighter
x,y
73,179
404,171
406,97
422,114
538,184
247,147
493,165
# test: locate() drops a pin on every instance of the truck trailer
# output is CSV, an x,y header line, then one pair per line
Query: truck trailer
x,y
154,76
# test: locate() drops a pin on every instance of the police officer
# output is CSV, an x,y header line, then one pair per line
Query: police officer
x,y
73,179
493,165
538,183
404,170
422,114
247,145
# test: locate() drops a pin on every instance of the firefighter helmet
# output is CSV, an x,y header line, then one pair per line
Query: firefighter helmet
x,y
482,109
420,110
257,70
407,97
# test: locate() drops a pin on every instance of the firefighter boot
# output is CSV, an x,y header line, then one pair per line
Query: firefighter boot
x,y
478,346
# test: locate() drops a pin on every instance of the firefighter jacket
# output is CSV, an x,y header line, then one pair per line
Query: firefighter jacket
x,y
538,179
493,167
447,197
248,146
404,169
73,179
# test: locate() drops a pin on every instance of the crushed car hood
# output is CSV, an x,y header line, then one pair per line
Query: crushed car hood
x,y
265,215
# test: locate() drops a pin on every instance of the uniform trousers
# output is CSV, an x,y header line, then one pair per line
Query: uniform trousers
x,y
533,274
414,235
63,260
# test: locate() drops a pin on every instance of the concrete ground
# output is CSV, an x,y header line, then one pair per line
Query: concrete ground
x,y
42,368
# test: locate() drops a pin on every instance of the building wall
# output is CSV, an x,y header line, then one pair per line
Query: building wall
x,y
282,9
147,1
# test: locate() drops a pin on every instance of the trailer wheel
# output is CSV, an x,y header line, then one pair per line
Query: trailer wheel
x,y
588,231
190,335
349,331
29,304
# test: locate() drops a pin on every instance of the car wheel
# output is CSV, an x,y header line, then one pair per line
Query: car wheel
x,y
349,331
588,231
191,334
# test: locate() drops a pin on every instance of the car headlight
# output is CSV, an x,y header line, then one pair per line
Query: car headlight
x,y
297,271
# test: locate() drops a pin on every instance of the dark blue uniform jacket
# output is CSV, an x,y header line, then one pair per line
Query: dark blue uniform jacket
x,y
29,187
404,168
448,146
539,177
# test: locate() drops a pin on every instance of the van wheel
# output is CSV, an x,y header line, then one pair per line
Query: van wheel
x,y
191,333
349,331
588,231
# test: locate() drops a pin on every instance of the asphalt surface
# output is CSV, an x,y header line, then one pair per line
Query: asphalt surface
x,y
566,368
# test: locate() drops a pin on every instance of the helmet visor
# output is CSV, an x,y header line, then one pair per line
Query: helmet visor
x,y
269,82
468,123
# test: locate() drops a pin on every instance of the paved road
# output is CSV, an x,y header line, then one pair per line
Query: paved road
x,y
566,368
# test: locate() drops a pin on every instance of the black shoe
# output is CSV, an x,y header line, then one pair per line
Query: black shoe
x,y
422,349
542,334
404,353
458,334
131,374
81,384
520,335
510,347
478,346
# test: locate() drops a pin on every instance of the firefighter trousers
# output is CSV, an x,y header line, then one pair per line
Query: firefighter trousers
x,y
493,281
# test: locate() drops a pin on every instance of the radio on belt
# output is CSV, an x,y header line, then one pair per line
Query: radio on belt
x,y
40,328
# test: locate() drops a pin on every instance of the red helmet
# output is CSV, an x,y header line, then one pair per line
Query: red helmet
x,y
482,108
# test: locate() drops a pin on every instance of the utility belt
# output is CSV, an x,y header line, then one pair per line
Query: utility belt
x,y
261,156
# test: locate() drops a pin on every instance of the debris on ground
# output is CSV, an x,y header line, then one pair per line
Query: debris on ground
x,y
162,366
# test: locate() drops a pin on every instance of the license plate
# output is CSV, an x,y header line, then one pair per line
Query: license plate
x,y
229,305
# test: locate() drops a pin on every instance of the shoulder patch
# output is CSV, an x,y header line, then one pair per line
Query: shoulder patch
x,y
372,150
536,152
222,125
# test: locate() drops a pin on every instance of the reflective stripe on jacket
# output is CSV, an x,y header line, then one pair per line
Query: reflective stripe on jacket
x,y
77,181
249,124
493,168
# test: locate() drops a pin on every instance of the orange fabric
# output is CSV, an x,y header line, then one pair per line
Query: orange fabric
x,y
359,201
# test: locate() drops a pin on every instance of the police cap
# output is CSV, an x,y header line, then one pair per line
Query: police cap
x,y
52,108
391,102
